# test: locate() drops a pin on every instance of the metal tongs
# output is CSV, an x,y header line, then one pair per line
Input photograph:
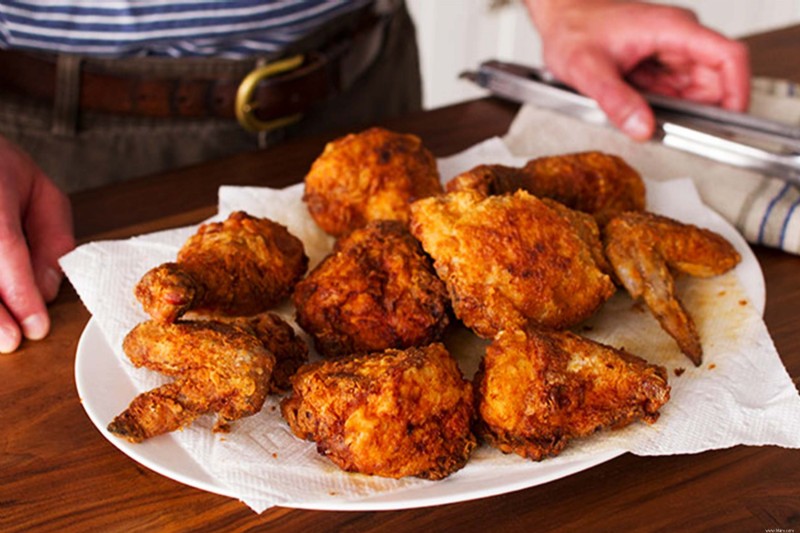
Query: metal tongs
x,y
737,139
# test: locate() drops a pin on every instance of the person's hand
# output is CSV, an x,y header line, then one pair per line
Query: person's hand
x,y
35,230
605,48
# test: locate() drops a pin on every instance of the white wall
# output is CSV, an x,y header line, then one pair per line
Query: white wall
x,y
456,35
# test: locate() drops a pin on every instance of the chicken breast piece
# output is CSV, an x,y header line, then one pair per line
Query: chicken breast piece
x,y
392,414
218,368
372,175
509,260
538,390
239,267
645,248
377,290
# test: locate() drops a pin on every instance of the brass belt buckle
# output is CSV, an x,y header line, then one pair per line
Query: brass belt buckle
x,y
244,105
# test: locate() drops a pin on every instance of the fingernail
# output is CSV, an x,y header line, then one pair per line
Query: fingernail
x,y
36,326
51,280
9,339
636,126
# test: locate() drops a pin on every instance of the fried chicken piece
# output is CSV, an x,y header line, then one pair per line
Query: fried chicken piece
x,y
238,267
391,414
280,339
168,291
489,180
372,175
587,230
644,247
377,290
218,368
511,259
600,184
537,390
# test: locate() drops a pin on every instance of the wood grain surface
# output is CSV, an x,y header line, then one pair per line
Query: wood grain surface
x,y
58,473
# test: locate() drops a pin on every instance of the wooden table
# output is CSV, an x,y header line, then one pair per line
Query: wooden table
x,y
57,472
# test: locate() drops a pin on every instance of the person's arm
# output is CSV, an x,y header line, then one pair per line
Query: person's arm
x,y
35,230
610,49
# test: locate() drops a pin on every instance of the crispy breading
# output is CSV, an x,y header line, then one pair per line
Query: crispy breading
x,y
597,183
372,175
644,247
585,226
167,292
488,180
239,267
376,290
280,339
218,368
391,414
511,259
537,390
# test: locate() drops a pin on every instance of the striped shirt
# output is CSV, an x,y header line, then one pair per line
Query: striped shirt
x,y
171,28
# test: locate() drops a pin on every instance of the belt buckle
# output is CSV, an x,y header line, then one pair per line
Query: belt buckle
x,y
244,105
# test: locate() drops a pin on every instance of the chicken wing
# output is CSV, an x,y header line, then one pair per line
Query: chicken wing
x,y
372,175
537,390
391,414
239,267
592,182
377,290
218,368
511,259
643,247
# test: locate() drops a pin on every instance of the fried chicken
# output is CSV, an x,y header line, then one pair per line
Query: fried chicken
x,y
600,184
218,368
391,414
587,230
239,267
489,180
644,247
280,339
372,175
537,390
377,290
508,260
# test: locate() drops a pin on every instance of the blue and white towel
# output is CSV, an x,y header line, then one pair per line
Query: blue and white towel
x,y
764,209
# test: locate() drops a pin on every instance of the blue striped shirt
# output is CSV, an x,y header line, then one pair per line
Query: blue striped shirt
x,y
172,28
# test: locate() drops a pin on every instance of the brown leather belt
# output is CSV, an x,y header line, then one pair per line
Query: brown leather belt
x,y
198,87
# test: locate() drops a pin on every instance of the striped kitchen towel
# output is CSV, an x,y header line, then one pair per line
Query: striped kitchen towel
x,y
765,210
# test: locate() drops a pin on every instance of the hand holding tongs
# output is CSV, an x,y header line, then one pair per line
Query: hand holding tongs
x,y
734,138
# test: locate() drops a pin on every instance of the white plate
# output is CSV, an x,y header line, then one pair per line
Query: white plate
x,y
105,390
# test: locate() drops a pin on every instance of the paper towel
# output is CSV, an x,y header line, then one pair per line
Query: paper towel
x,y
741,395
